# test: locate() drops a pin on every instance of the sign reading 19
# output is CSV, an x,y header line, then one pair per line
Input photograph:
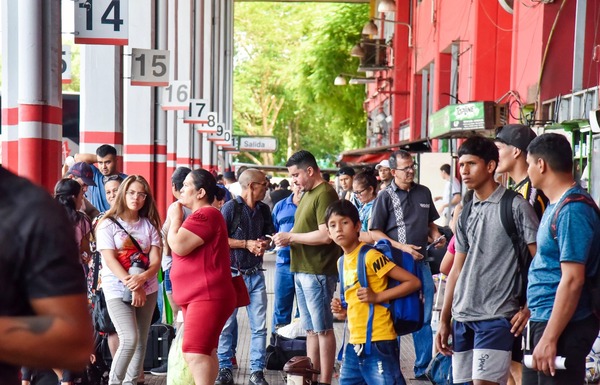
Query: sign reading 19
x,y
114,7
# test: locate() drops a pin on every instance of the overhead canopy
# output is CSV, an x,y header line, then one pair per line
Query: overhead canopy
x,y
372,155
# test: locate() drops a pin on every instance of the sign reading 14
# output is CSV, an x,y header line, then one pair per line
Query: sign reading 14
x,y
101,22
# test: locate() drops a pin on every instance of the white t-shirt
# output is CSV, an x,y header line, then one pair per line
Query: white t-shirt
x,y
110,237
455,186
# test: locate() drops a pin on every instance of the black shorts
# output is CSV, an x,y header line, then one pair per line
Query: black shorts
x,y
574,344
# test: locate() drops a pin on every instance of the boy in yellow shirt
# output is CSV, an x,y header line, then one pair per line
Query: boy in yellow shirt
x,y
382,364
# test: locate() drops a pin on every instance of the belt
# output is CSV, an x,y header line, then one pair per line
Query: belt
x,y
250,271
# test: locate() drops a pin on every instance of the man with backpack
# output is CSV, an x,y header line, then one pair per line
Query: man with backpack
x,y
404,213
248,222
484,290
562,322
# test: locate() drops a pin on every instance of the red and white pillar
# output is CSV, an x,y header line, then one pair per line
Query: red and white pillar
x,y
33,116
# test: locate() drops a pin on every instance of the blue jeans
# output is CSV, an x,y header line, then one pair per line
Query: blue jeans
x,y
423,339
284,295
257,318
314,293
381,367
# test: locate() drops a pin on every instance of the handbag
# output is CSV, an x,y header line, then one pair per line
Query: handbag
x,y
241,291
282,349
100,316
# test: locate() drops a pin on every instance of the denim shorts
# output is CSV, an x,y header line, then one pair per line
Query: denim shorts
x,y
167,281
381,367
314,293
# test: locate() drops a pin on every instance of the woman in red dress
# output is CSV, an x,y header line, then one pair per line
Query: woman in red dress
x,y
200,273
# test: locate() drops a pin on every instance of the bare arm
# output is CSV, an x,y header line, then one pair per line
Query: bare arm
x,y
59,335
446,263
444,329
87,158
411,249
182,241
408,284
313,238
565,304
455,199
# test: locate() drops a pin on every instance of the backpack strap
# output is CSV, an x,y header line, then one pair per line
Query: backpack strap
x,y
464,217
361,268
340,264
237,217
575,197
508,222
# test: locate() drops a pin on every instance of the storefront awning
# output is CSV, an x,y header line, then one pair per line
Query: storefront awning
x,y
372,155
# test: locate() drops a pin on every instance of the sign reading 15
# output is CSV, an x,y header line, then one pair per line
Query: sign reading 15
x,y
149,67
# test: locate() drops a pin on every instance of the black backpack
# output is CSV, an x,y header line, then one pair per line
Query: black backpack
x,y
508,222
591,283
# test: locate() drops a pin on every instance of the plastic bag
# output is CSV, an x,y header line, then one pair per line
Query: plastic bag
x,y
178,372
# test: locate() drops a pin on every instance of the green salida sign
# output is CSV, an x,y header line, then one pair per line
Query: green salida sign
x,y
458,120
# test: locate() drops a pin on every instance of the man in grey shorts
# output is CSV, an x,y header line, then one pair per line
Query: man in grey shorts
x,y
481,296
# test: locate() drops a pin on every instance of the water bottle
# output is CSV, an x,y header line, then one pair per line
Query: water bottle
x,y
137,267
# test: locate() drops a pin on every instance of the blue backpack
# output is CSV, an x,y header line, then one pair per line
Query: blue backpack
x,y
407,312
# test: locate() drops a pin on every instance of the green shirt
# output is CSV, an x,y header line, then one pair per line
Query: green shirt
x,y
320,259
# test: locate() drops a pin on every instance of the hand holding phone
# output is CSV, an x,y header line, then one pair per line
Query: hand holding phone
x,y
432,244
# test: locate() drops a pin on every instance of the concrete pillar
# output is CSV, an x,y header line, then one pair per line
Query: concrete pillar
x,y
138,112
32,113
10,89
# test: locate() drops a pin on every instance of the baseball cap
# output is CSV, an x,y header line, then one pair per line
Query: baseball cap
x,y
229,175
517,135
383,163
346,171
84,171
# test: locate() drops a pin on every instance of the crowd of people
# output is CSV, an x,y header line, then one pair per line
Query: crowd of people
x,y
220,227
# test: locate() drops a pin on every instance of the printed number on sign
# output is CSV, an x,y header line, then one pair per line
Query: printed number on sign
x,y
197,112
101,22
149,67
176,96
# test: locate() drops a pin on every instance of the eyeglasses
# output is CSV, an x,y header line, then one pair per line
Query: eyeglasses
x,y
412,167
359,193
136,194
264,184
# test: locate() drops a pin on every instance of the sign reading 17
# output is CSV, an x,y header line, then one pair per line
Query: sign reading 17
x,y
114,7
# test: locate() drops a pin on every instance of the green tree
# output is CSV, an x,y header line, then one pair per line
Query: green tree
x,y
286,58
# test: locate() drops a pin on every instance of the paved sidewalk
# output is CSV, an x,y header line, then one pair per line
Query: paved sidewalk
x,y
242,375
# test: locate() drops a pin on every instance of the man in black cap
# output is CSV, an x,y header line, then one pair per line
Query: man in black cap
x,y
512,141
345,177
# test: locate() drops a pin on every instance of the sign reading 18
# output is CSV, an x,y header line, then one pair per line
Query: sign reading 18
x,y
114,6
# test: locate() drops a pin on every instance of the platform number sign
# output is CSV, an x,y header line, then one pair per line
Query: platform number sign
x,y
197,112
66,64
176,96
102,22
222,137
150,67
210,125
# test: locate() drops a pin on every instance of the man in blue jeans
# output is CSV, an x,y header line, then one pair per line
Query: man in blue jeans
x,y
248,222
404,213
283,220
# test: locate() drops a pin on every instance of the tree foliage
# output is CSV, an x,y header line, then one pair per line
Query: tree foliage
x,y
286,59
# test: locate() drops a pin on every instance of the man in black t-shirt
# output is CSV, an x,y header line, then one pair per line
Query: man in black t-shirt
x,y
44,318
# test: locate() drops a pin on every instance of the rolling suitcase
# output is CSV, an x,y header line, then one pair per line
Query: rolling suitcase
x,y
159,343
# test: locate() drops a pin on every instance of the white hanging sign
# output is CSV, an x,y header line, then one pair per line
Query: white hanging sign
x,y
66,64
102,22
149,67
176,96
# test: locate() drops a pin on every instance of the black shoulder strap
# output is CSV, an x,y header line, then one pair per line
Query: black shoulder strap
x,y
575,197
506,215
96,264
135,242
237,216
464,216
